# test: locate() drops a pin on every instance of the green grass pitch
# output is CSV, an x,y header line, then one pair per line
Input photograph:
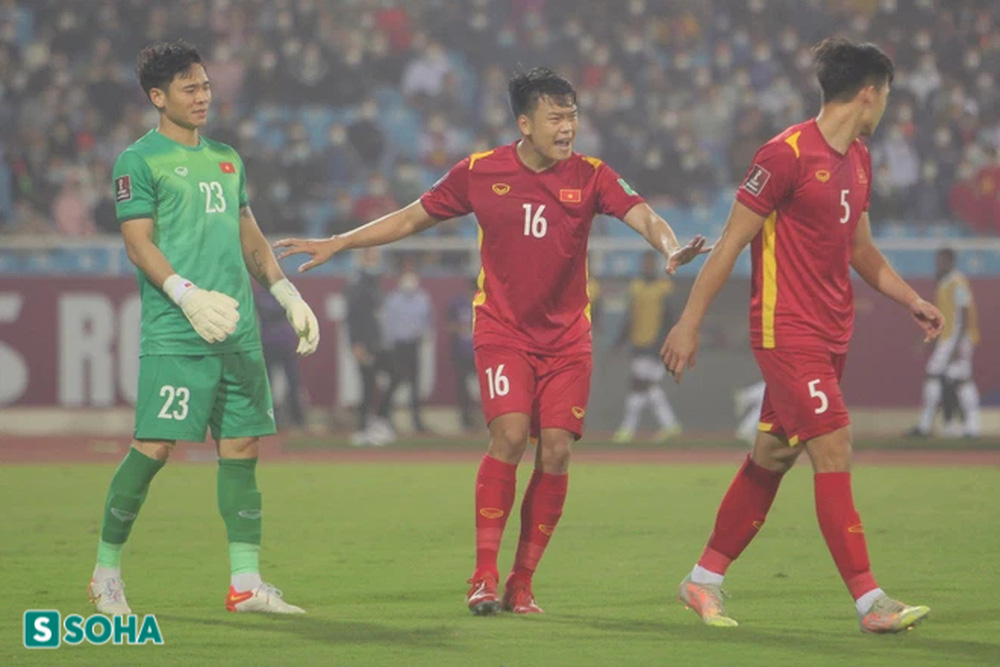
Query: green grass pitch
x,y
378,554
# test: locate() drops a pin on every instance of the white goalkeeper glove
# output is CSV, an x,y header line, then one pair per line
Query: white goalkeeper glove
x,y
300,315
213,315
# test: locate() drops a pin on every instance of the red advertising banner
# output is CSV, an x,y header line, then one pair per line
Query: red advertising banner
x,y
74,342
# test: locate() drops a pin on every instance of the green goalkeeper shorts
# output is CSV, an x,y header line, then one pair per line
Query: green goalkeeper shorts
x,y
180,396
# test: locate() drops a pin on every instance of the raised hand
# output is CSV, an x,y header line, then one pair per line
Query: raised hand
x,y
319,250
685,254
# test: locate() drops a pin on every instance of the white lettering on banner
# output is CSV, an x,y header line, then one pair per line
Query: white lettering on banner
x,y
129,321
348,375
13,369
86,334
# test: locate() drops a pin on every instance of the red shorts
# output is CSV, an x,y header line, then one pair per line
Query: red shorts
x,y
802,399
552,390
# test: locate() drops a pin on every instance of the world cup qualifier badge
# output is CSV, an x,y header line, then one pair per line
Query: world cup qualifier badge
x,y
756,180
123,188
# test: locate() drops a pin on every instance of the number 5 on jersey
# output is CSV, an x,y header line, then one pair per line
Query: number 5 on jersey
x,y
497,382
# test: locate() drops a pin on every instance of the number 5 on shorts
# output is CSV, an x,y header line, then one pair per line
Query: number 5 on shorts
x,y
498,383
824,403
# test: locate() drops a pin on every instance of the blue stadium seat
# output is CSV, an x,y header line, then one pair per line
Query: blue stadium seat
x,y
317,121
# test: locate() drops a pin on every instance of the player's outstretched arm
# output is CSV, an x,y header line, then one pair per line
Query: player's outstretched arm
x,y
680,348
875,269
262,265
212,315
405,222
643,219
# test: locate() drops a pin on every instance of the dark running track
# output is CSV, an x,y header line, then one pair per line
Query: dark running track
x,y
76,449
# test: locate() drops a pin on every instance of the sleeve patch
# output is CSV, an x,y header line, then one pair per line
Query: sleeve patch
x,y
756,180
123,188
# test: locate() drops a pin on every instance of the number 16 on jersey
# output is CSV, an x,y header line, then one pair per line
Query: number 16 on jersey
x,y
535,224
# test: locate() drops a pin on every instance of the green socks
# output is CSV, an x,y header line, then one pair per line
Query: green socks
x,y
244,558
126,494
240,507
109,555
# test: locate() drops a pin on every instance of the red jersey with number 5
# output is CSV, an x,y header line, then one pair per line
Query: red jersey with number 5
x,y
533,232
812,197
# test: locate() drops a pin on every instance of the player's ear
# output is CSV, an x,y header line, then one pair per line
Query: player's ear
x,y
524,124
158,97
869,94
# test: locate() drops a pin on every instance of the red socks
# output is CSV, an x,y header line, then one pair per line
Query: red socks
x,y
745,507
495,488
841,526
740,516
540,511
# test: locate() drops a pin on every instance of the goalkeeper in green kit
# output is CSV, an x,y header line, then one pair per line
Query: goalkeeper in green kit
x,y
182,206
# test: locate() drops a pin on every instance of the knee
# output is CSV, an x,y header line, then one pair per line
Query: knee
x,y
773,454
239,448
508,441
555,453
776,460
154,449
834,457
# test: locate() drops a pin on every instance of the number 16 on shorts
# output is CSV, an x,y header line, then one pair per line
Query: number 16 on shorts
x,y
497,382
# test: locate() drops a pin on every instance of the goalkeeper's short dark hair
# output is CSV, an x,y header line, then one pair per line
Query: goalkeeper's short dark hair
x,y
527,87
843,68
158,64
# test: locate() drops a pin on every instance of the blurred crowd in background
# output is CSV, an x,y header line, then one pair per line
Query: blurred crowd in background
x,y
346,110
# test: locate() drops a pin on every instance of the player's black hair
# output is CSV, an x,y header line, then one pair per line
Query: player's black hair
x,y
526,88
947,253
843,68
158,64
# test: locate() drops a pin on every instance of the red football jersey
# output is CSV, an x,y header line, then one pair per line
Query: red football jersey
x,y
813,197
533,232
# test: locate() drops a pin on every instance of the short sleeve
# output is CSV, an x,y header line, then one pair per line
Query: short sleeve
x,y
135,192
615,197
243,182
449,197
770,179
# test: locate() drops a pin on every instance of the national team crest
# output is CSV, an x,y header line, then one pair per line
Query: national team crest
x,y
756,180
227,167
862,177
570,196
123,188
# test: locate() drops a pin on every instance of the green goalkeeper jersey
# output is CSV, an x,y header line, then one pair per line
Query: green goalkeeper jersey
x,y
194,195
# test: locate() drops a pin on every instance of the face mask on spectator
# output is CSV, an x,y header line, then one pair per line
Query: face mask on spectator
x,y
408,282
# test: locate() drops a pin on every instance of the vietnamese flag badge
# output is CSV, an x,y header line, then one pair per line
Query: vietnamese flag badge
x,y
227,167
569,196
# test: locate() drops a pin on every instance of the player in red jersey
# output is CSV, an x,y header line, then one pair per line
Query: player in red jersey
x,y
534,201
803,207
